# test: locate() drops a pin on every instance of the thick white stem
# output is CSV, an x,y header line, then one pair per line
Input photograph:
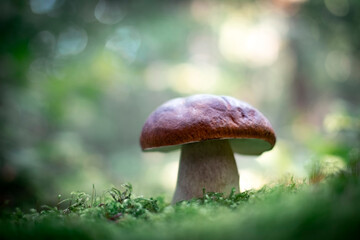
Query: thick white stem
x,y
210,165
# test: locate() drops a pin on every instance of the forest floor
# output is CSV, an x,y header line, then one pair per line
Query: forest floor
x,y
289,209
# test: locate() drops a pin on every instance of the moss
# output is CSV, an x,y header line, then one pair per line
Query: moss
x,y
288,210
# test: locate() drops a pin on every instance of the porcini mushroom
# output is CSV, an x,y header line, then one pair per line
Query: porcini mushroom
x,y
208,129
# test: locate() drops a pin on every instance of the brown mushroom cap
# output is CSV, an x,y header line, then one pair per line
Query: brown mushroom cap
x,y
207,117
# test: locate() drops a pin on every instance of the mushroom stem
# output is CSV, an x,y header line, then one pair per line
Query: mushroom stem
x,y
208,164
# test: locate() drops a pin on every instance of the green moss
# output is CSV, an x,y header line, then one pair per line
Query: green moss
x,y
288,210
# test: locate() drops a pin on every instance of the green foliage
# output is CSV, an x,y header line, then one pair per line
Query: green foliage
x,y
286,210
114,204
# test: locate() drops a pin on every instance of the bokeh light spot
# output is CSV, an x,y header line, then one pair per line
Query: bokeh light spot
x,y
126,42
256,45
335,122
109,12
250,179
191,78
42,6
72,41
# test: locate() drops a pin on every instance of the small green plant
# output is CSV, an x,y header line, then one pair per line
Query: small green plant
x,y
113,205
289,209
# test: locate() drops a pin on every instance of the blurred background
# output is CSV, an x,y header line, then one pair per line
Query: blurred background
x,y
79,79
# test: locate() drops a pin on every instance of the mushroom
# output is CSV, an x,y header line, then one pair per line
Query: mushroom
x,y
208,129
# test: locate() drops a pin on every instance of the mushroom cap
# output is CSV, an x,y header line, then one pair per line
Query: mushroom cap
x,y
207,117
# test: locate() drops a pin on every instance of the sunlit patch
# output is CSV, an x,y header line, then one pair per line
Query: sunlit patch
x,y
190,78
250,179
169,175
325,166
338,8
278,161
256,45
332,164
72,41
338,121
153,157
338,65
109,12
126,42
106,69
42,6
